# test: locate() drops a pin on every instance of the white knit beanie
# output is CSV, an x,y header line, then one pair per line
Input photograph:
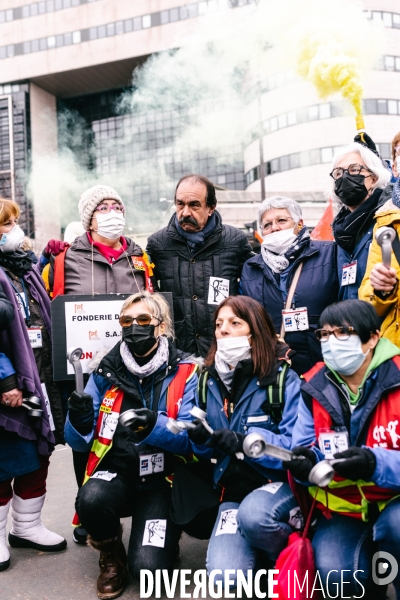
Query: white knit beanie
x,y
89,201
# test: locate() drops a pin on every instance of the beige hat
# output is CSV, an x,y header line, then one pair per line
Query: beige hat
x,y
89,201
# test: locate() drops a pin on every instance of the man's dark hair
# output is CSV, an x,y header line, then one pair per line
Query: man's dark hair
x,y
352,313
211,199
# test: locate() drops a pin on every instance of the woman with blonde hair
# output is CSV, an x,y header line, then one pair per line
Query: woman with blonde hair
x,y
26,442
128,465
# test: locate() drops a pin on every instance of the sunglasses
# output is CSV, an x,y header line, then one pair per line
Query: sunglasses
x,y
142,320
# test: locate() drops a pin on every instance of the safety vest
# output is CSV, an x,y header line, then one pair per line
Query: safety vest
x,y
110,409
352,498
140,263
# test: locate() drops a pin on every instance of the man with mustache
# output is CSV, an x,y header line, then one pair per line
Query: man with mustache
x,y
189,255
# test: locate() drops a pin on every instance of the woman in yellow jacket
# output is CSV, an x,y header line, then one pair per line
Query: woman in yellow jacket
x,y
380,285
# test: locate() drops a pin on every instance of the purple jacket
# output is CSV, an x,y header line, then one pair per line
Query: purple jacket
x,y
14,342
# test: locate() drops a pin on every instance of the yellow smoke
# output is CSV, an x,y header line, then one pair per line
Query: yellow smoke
x,y
334,44
331,69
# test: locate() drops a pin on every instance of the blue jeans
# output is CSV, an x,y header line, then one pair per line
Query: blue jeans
x,y
343,543
242,531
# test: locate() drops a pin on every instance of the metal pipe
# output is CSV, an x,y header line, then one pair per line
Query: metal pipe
x,y
74,357
384,237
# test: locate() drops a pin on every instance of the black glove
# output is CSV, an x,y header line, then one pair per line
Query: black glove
x,y
229,442
300,467
360,463
199,435
367,142
145,421
81,412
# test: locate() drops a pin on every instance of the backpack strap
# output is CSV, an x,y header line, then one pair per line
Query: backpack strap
x,y
176,388
202,390
276,395
59,274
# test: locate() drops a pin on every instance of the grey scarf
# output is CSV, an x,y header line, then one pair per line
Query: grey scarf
x,y
160,358
224,371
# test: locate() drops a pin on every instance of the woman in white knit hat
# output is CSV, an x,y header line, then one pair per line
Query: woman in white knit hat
x,y
102,260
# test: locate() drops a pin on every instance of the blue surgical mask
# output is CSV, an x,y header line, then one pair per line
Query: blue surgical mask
x,y
343,356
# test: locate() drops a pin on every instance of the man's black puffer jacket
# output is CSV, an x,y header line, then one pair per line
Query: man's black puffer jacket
x,y
187,276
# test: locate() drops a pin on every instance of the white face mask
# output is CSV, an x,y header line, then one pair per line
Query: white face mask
x,y
110,225
12,240
343,356
279,241
233,349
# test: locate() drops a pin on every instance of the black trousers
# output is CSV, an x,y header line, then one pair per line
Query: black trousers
x,y
154,538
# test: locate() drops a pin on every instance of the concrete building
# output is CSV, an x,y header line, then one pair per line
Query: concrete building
x,y
300,132
79,55
65,68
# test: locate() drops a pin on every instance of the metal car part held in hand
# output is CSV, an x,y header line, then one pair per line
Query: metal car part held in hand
x,y
32,405
201,416
176,427
255,446
322,473
74,357
127,417
384,237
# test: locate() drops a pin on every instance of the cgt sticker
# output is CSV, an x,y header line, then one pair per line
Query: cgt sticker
x,y
154,533
227,522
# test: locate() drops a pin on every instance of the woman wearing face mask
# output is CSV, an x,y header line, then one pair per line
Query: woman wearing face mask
x,y
359,177
350,410
380,285
292,265
244,368
102,260
128,465
26,442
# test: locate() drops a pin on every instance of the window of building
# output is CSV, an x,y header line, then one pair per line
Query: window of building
x,y
392,107
324,111
389,63
382,107
313,113
146,21
326,155
291,118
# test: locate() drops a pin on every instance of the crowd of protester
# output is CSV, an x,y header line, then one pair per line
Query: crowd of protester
x,y
298,344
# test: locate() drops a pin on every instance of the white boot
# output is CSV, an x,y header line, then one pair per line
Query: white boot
x,y
28,530
4,553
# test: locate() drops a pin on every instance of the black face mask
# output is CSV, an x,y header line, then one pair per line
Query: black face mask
x,y
139,339
351,189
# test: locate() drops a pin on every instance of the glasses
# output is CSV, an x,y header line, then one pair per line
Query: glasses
x,y
340,333
142,320
278,222
105,208
351,170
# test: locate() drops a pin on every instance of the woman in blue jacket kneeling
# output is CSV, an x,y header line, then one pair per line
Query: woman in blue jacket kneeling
x,y
350,411
127,467
244,364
